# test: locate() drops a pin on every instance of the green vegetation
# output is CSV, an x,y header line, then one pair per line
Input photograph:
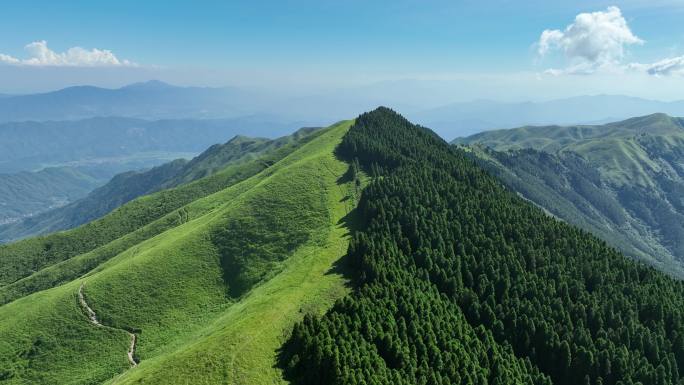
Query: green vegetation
x,y
621,151
569,188
461,281
448,278
28,193
127,186
39,263
206,304
622,181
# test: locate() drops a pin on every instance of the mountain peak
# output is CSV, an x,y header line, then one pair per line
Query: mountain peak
x,y
657,116
238,139
149,85
649,121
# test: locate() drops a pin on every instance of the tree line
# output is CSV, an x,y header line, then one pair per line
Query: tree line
x,y
459,281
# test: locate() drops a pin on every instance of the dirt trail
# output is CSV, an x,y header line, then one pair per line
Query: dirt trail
x,y
93,320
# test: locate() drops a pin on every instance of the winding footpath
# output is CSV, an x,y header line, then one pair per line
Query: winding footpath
x,y
93,320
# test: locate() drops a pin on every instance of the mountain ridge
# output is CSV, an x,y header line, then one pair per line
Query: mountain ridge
x,y
371,251
127,186
468,118
638,176
292,264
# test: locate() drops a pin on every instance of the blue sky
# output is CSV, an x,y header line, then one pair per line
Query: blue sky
x,y
319,44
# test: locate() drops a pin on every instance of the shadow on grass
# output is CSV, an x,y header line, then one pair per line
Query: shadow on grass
x,y
343,266
287,356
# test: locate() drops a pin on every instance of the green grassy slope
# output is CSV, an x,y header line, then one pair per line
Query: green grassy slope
x,y
240,346
619,149
189,291
634,200
23,259
238,149
127,186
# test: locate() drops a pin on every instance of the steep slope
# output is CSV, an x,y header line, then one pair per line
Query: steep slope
x,y
462,282
117,191
218,291
569,188
638,163
239,149
454,279
27,266
130,185
25,193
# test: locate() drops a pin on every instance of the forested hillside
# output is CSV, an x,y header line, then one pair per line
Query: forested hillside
x,y
461,281
568,187
29,193
623,181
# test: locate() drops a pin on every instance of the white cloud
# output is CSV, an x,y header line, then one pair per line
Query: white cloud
x,y
40,55
665,67
594,41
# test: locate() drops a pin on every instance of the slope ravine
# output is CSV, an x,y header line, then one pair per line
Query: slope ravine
x,y
93,320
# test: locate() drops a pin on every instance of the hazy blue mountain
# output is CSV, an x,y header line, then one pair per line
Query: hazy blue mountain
x,y
155,100
624,181
149,100
462,119
127,186
33,145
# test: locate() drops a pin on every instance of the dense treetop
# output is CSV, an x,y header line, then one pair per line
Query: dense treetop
x,y
460,281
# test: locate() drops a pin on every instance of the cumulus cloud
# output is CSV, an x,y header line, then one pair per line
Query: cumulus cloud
x,y
40,55
593,41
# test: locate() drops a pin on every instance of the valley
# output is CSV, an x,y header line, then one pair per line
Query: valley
x,y
342,193
127,186
370,251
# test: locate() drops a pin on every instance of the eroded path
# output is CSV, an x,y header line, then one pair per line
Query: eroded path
x,y
93,320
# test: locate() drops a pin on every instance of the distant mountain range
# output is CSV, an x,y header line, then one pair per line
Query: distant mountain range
x,y
149,100
155,100
463,119
623,181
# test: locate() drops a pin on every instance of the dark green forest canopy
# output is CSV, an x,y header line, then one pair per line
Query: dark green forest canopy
x,y
460,281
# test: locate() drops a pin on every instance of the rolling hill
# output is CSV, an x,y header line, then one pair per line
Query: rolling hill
x,y
369,252
127,186
623,181
468,118
244,249
29,193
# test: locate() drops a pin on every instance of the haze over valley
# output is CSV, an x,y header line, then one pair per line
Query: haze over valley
x,y
349,193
